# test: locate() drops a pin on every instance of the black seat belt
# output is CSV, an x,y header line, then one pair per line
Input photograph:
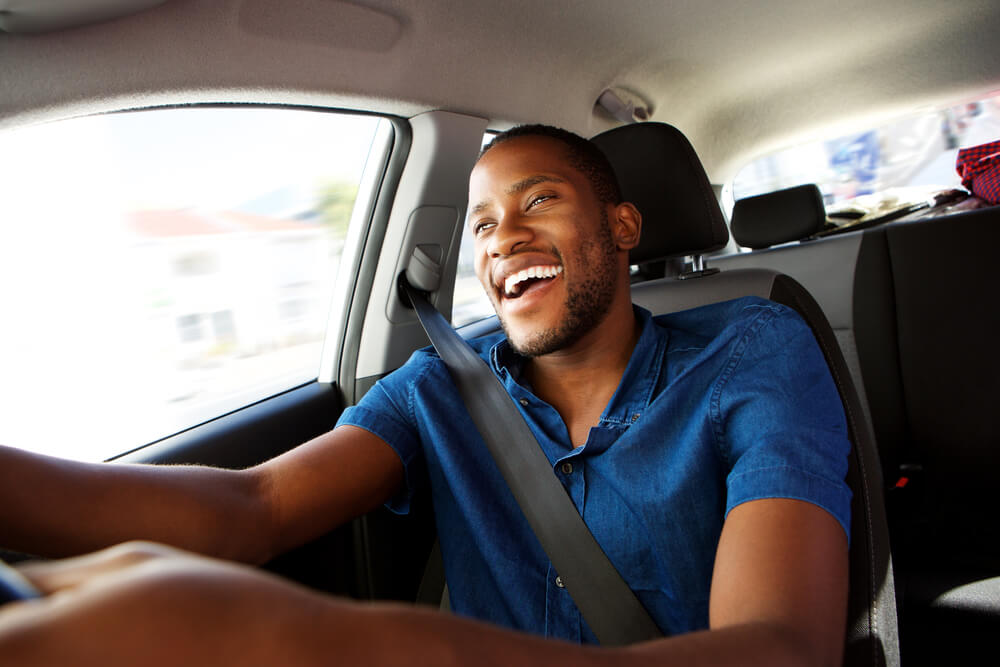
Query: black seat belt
x,y
606,602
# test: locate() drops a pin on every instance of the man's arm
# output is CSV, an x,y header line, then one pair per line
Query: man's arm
x,y
782,568
55,507
778,598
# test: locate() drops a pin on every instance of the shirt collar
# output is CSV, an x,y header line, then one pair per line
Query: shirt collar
x,y
505,361
638,382
635,391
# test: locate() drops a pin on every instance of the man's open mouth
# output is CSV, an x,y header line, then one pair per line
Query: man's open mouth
x,y
516,283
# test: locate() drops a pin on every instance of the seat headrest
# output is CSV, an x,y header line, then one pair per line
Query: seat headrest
x,y
778,217
660,173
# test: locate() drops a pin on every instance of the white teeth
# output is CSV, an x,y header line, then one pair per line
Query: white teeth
x,y
530,272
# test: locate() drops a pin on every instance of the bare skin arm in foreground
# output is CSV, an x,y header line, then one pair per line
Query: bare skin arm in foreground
x,y
778,598
62,508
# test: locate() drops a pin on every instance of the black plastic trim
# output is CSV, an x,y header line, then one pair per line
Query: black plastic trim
x,y
251,435
372,248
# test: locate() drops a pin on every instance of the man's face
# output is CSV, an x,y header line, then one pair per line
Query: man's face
x,y
544,249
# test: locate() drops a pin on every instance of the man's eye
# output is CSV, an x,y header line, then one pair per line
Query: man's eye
x,y
538,199
481,226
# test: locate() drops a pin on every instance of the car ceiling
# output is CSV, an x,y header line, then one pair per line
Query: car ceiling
x,y
739,78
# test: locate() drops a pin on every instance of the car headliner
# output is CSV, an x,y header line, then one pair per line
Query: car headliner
x,y
739,78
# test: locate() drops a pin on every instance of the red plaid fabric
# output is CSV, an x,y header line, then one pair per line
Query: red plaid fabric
x,y
979,167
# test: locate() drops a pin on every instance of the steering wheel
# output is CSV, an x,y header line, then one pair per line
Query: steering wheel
x,y
13,586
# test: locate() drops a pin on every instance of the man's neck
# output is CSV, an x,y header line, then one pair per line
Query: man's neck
x,y
580,380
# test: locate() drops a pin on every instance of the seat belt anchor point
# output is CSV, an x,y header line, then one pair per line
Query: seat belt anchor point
x,y
422,273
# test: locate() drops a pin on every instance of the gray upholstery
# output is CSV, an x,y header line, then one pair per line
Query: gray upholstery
x,y
778,217
679,219
926,330
670,295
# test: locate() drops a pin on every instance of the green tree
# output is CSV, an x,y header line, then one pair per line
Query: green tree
x,y
336,201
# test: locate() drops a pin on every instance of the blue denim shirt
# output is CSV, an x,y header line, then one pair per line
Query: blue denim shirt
x,y
718,406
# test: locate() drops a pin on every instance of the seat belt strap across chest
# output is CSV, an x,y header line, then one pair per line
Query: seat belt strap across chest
x,y
609,606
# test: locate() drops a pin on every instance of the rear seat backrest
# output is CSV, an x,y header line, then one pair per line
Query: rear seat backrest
x,y
944,286
926,328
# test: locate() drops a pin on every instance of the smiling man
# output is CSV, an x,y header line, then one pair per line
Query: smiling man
x,y
552,239
705,450
550,285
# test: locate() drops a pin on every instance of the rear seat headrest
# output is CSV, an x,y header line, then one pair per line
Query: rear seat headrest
x,y
660,173
778,217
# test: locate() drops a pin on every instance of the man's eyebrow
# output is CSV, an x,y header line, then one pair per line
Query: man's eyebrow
x,y
514,189
480,207
525,183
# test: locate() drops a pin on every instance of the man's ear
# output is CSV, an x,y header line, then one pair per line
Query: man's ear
x,y
626,226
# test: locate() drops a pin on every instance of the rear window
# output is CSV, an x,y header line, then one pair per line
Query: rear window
x,y
905,161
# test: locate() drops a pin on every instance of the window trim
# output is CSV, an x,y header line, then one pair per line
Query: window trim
x,y
341,367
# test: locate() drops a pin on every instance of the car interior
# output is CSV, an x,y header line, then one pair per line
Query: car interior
x,y
681,97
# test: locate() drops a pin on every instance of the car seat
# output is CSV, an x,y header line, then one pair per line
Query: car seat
x,y
660,173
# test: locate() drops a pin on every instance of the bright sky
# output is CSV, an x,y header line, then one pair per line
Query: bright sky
x,y
250,152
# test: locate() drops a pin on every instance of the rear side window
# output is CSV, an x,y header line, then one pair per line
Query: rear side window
x,y
470,303
162,267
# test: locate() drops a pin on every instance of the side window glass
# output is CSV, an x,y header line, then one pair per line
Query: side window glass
x,y
160,268
470,302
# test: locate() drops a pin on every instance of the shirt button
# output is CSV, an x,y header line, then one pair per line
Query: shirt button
x,y
559,582
567,468
635,417
524,402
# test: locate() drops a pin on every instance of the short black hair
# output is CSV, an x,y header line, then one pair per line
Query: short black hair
x,y
583,156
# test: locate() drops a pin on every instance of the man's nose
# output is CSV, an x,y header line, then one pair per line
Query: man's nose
x,y
510,233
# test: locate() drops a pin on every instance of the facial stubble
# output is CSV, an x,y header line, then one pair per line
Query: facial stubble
x,y
587,301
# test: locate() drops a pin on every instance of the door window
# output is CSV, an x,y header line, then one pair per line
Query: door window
x,y
159,268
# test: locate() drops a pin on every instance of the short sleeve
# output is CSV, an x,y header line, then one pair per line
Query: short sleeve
x,y
779,419
385,411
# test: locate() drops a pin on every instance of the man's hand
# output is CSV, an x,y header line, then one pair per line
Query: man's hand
x,y
144,603
247,515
